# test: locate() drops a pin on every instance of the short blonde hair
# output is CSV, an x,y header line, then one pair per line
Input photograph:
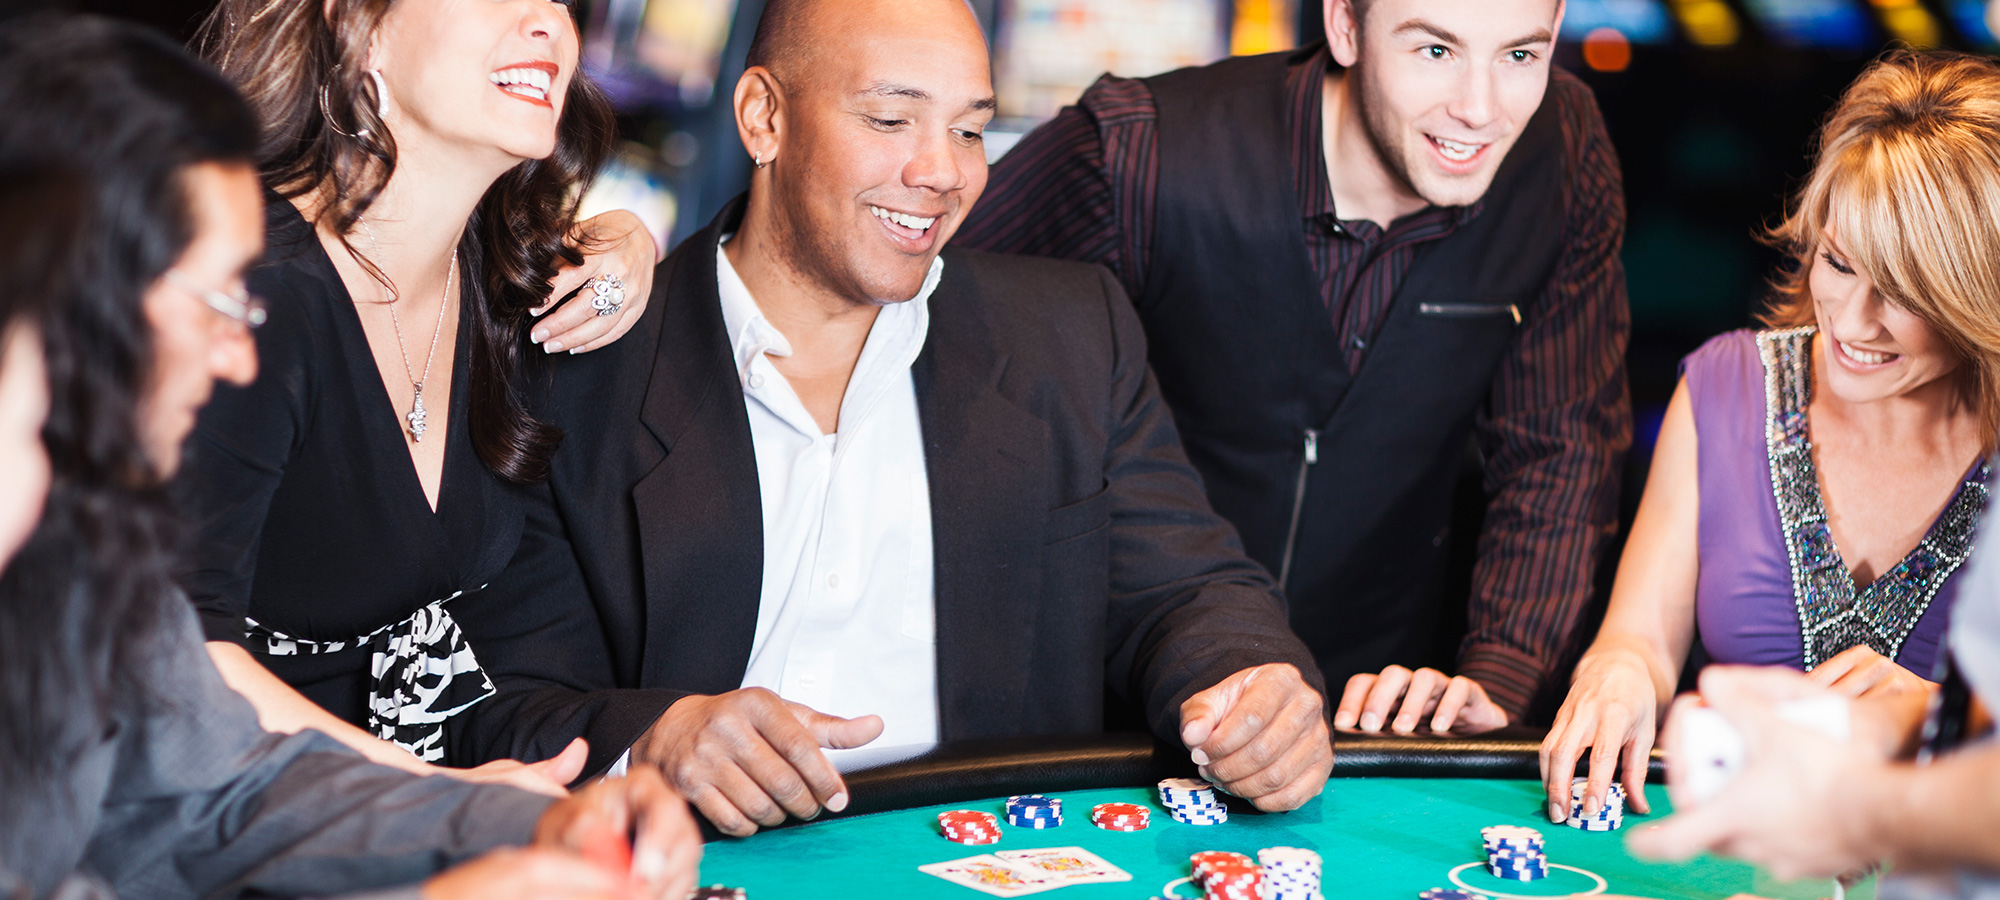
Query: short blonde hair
x,y
1909,169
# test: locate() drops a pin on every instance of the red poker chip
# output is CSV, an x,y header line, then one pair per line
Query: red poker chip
x,y
970,826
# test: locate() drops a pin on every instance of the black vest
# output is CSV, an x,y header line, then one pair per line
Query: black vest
x,y
1342,482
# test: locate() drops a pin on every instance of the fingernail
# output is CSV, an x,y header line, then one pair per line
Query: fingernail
x,y
838,802
1556,813
1200,758
576,350
552,347
1371,722
538,335
1343,719
649,864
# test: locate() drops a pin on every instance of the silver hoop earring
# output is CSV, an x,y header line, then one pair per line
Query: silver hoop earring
x,y
758,160
381,95
327,113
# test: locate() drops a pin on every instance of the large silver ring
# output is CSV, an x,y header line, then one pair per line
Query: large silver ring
x,y
608,294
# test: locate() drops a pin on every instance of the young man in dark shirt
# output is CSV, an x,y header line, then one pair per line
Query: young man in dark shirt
x,y
1349,260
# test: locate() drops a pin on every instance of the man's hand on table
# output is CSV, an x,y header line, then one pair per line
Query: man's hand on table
x,y
1261,735
581,850
1403,700
748,758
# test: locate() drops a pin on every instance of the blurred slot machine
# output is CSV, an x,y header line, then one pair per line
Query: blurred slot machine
x,y
661,63
1607,30
1048,51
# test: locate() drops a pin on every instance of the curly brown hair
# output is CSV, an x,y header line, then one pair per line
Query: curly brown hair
x,y
301,65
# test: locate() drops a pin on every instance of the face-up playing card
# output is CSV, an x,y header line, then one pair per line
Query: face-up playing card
x,y
1068,865
992,875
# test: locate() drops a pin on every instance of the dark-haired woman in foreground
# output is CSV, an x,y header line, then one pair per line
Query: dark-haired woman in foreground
x,y
129,205
426,157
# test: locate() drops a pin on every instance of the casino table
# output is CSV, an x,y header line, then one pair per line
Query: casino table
x,y
1399,815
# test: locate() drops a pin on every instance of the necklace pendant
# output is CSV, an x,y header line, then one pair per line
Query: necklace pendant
x,y
417,417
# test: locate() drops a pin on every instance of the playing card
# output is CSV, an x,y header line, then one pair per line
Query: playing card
x,y
1068,865
990,874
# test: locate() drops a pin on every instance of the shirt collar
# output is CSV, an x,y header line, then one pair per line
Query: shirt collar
x,y
751,335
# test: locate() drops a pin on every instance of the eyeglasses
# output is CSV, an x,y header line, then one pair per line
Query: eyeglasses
x,y
243,307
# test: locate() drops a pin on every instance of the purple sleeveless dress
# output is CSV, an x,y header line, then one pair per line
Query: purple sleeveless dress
x,y
1773,589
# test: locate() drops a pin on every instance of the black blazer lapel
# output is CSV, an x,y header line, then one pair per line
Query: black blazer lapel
x,y
988,466
700,520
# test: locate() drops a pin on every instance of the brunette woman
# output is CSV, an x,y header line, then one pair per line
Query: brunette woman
x,y
424,158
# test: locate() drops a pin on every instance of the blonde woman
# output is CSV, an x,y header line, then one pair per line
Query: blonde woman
x,y
1815,485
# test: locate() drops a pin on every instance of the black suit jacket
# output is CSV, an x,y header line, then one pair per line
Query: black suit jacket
x,y
1074,547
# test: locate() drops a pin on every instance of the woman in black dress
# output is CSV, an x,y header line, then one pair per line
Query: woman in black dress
x,y
424,158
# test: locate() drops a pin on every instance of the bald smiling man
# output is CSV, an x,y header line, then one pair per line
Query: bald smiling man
x,y
844,486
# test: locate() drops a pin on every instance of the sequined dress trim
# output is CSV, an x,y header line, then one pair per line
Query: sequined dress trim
x,y
1833,613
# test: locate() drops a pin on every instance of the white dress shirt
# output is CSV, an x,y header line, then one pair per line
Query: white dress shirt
x,y
845,622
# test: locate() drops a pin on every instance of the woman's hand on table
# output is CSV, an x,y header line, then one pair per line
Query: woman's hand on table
x,y
1261,735
550,777
1610,710
614,243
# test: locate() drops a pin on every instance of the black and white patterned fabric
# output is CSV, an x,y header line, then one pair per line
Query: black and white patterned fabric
x,y
424,673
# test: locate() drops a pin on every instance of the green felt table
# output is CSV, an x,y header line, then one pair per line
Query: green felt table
x,y
1386,838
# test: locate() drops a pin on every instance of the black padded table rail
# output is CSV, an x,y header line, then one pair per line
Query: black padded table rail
x,y
963,771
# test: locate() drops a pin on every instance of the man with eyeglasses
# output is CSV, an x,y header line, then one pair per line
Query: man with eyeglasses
x,y
247,309
1353,262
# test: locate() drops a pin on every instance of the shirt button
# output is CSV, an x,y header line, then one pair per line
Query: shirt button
x,y
1337,229
756,381
833,581
1358,342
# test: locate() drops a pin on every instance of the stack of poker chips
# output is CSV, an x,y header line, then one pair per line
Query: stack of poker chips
x,y
1607,818
1227,876
1514,853
1034,811
1120,816
1192,801
970,826
718,892
1290,873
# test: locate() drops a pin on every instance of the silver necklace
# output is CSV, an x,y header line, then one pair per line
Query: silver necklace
x,y
417,415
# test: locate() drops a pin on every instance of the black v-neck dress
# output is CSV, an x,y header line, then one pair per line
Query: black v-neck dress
x,y
312,532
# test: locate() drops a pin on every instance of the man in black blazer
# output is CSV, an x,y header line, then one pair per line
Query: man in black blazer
x,y
1071,545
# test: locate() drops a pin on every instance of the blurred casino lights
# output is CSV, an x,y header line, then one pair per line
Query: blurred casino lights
x,y
1708,23
1607,50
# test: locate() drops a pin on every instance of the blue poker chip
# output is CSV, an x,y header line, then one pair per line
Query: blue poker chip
x,y
1025,822
1036,812
1033,805
1450,894
1528,874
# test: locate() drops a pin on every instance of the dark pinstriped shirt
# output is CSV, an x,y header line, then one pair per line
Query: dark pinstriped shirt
x,y
1558,421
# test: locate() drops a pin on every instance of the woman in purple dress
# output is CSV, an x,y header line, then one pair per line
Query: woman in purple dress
x,y
1815,484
